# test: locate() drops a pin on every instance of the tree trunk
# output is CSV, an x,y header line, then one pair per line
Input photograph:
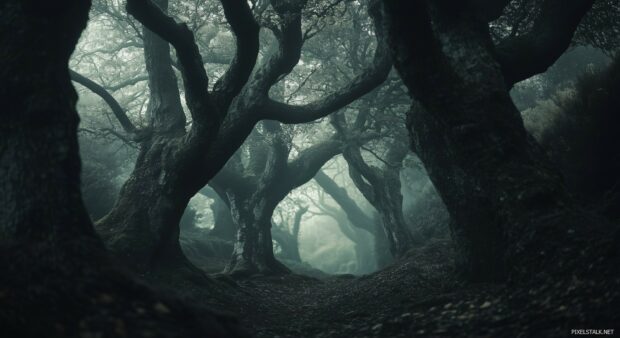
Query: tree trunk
x,y
54,267
143,227
505,199
253,251
389,204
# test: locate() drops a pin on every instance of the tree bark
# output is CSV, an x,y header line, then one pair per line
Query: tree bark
x,y
142,229
504,197
39,162
54,267
253,250
253,197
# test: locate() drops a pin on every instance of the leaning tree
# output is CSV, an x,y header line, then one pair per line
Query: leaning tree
x,y
369,241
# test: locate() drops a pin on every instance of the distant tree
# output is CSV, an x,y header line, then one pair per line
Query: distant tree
x,y
223,225
254,190
355,224
288,239
381,187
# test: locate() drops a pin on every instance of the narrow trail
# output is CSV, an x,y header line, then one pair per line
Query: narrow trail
x,y
345,306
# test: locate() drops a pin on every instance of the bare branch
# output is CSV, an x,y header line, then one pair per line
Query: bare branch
x,y
127,83
117,110
244,27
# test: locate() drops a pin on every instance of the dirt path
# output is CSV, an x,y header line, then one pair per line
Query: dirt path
x,y
419,296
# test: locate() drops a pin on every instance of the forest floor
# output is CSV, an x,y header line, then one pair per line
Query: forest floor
x,y
418,296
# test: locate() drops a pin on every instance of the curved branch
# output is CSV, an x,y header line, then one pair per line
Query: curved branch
x,y
362,84
182,39
290,42
310,160
117,110
244,27
529,54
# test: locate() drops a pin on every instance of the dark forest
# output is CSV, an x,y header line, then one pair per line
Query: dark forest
x,y
309,168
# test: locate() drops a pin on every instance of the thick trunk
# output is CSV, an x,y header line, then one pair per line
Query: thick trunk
x,y
39,162
143,227
505,200
363,242
253,251
54,267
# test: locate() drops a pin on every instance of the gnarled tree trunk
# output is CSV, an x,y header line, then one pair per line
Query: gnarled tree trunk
x,y
253,250
54,267
505,199
254,196
142,229
381,187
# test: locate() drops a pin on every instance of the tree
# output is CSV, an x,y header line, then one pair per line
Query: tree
x,y
360,228
254,191
504,196
598,28
380,186
54,267
175,163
